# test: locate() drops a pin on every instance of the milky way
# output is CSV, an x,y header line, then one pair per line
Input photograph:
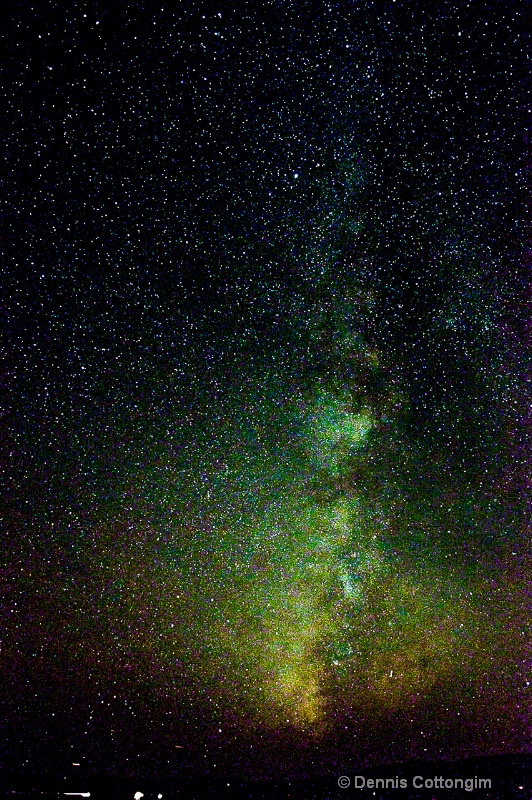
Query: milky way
x,y
267,340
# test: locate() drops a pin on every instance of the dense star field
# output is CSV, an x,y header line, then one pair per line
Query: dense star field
x,y
266,386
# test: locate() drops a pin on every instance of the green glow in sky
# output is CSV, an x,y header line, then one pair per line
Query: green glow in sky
x,y
335,430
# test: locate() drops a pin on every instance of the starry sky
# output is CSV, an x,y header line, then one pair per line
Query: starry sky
x,y
265,393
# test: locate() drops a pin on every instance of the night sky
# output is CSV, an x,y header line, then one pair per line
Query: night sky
x,y
265,307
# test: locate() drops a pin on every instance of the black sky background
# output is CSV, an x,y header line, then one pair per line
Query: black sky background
x,y
156,239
